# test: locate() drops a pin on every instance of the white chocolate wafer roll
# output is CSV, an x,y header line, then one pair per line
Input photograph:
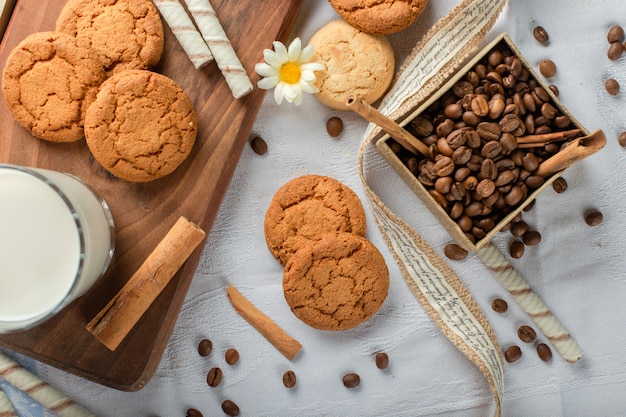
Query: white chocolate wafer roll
x,y
6,409
186,33
220,46
530,302
39,390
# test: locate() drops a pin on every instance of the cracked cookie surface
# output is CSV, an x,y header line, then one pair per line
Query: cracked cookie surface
x,y
381,17
141,126
48,82
126,34
354,62
306,207
337,282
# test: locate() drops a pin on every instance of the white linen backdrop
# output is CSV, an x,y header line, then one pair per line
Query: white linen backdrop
x,y
580,272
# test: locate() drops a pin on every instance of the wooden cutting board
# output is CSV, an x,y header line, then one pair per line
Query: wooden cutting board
x,y
143,213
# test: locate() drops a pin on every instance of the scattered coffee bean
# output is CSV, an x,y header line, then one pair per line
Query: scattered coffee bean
x,y
547,68
526,334
593,218
519,228
230,408
455,252
513,353
231,356
540,34
612,86
214,377
516,249
560,185
289,379
615,34
531,237
334,126
259,146
499,305
351,380
621,139
616,49
554,89
205,347
544,352
192,412
382,360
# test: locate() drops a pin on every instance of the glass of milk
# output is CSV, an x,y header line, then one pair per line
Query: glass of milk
x,y
57,238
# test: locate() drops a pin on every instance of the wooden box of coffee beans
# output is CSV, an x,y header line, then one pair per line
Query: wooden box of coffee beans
x,y
488,129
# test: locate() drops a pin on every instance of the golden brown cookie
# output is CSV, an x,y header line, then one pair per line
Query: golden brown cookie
x,y
307,207
354,62
126,34
337,282
141,126
380,17
48,82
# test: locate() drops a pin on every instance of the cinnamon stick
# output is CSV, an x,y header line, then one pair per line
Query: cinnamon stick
x,y
121,314
285,344
400,134
530,141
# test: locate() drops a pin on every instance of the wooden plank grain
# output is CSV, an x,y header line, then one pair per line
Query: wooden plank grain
x,y
144,212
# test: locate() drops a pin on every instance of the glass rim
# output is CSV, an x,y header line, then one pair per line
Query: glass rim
x,y
27,323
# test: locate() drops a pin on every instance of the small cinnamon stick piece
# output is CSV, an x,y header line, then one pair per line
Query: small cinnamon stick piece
x,y
285,344
119,316
400,134
530,141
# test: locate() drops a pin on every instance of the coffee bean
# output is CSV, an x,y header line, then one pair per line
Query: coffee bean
x,y
351,380
616,49
547,68
526,334
334,126
214,377
259,146
612,86
544,352
540,34
615,34
192,412
455,252
499,305
554,89
289,379
205,347
621,139
516,249
513,353
593,218
559,185
231,356
230,408
382,360
531,237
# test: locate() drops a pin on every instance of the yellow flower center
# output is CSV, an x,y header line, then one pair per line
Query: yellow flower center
x,y
290,73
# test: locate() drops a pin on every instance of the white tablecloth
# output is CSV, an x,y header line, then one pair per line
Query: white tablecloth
x,y
579,271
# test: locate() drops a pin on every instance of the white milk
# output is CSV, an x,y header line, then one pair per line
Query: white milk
x,y
56,240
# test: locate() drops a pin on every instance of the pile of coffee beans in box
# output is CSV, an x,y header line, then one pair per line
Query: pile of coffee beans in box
x,y
479,170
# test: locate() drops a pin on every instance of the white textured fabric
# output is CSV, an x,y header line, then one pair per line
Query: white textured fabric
x,y
580,272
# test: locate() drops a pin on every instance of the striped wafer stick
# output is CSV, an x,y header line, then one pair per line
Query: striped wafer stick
x,y
39,390
185,32
530,302
220,46
6,409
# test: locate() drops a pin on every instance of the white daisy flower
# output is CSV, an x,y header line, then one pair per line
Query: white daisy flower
x,y
288,71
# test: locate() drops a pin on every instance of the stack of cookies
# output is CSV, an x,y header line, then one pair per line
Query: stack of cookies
x,y
355,52
91,78
334,278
